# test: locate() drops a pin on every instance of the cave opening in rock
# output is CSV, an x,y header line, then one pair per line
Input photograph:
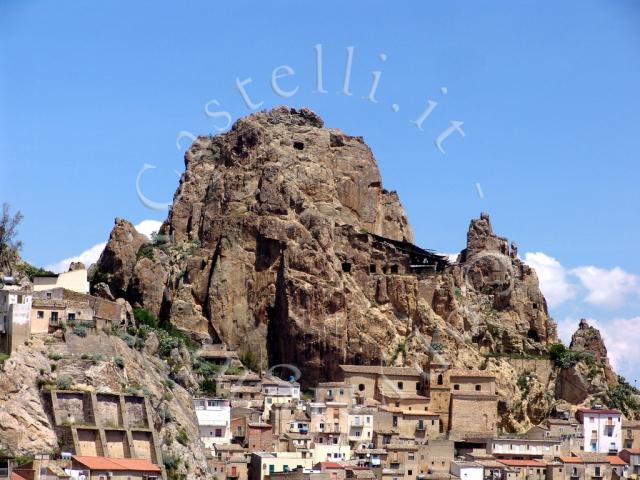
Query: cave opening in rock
x,y
346,267
298,145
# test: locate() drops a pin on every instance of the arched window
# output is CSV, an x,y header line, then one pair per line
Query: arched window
x,y
440,379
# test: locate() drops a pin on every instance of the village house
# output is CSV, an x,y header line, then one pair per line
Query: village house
x,y
214,420
367,381
260,436
528,469
265,464
103,468
631,456
75,280
300,474
602,429
516,448
467,470
402,460
334,392
583,466
360,423
473,411
228,462
630,433
240,417
277,391
329,427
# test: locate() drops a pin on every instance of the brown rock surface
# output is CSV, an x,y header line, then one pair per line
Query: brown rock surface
x,y
283,241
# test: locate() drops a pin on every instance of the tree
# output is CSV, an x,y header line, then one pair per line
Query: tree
x,y
9,245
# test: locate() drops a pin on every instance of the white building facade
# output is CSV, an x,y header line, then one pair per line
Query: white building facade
x,y
602,429
214,420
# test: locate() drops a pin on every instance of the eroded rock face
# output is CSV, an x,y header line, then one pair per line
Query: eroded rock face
x,y
282,240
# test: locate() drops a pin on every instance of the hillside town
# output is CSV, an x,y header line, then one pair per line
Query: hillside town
x,y
422,422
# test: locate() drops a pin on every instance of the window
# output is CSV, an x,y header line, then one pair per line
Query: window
x,y
346,267
48,295
361,387
395,421
40,314
372,268
71,316
400,385
440,379
218,432
478,388
456,387
298,145
342,391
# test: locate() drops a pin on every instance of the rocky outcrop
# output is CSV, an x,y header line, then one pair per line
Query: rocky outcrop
x,y
100,363
282,240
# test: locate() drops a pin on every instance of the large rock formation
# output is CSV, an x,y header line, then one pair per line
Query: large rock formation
x,y
282,240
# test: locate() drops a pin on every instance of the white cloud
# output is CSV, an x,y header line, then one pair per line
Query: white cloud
x,y
552,276
607,288
91,255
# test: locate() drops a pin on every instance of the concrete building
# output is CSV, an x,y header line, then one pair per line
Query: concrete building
x,y
214,420
467,470
15,316
92,424
528,469
602,429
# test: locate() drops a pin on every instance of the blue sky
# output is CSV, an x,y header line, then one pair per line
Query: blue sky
x,y
547,92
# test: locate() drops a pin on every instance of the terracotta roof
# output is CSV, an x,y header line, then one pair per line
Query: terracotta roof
x,y
120,464
586,457
380,370
570,460
616,460
522,463
632,451
15,476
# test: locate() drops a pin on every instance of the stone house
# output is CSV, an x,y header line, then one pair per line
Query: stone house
x,y
529,469
584,466
260,436
473,411
277,391
630,433
240,418
334,469
228,462
368,381
631,456
334,392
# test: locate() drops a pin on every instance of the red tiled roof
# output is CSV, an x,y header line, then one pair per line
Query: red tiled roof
x,y
15,476
633,451
570,459
129,464
522,463
615,460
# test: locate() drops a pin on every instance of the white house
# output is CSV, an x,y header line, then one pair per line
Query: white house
x,y
602,429
74,280
467,470
214,420
277,392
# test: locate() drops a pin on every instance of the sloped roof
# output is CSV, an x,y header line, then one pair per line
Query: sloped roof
x,y
120,464
522,463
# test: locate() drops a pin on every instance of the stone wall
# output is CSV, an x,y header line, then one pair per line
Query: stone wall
x,y
543,367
